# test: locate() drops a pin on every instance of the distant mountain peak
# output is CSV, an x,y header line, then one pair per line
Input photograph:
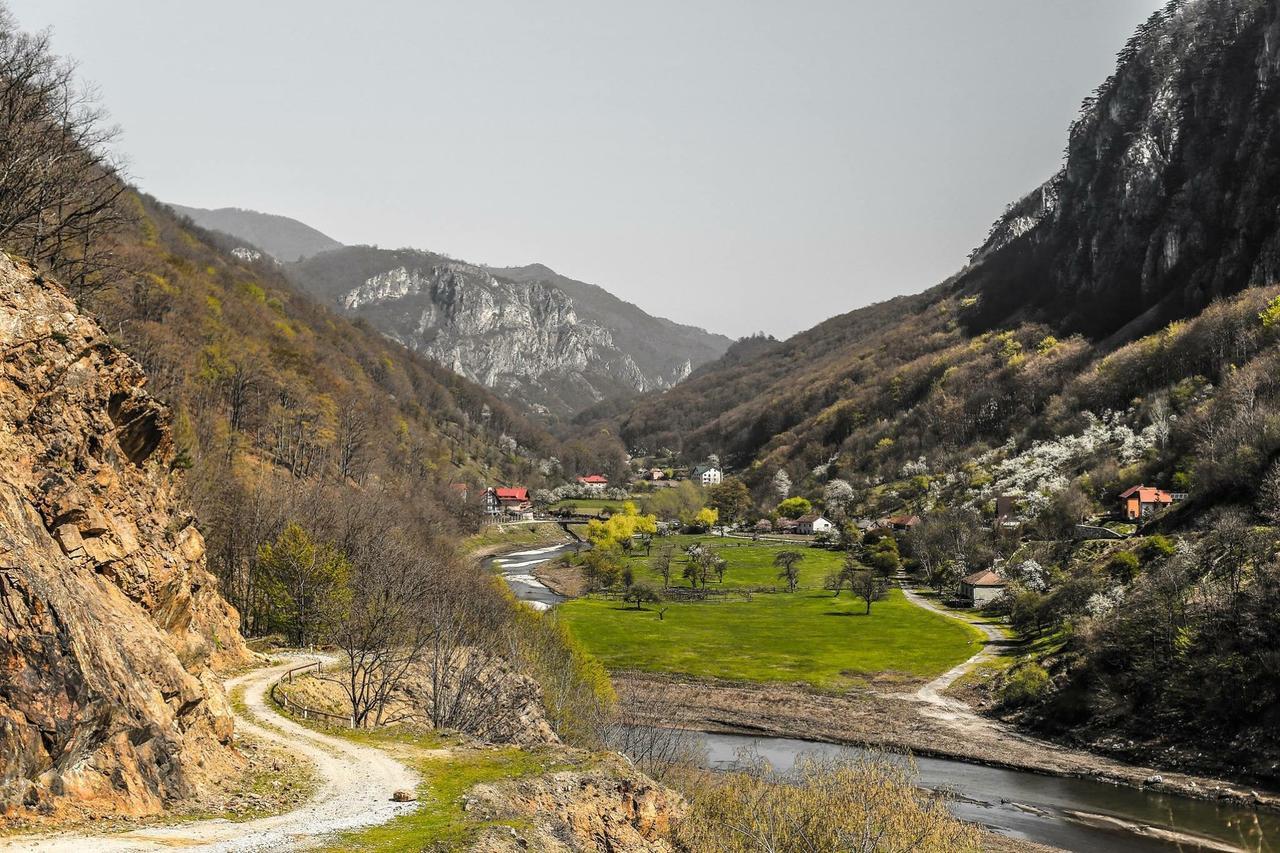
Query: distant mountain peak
x,y
283,238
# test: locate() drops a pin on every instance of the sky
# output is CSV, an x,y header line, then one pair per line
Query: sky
x,y
739,165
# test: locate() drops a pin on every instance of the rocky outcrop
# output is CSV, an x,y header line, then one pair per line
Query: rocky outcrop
x,y
612,807
1166,200
110,625
554,344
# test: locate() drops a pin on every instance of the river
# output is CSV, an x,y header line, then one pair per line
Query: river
x,y
1070,814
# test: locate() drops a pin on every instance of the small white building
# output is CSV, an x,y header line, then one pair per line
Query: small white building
x,y
808,525
982,588
707,475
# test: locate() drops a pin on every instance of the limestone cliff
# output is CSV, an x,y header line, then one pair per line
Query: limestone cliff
x,y
554,344
110,624
1166,198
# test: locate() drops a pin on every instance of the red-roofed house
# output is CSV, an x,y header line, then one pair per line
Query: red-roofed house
x,y
1141,501
594,482
513,501
982,588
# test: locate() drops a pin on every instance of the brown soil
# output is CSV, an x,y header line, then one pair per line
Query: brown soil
x,y
562,579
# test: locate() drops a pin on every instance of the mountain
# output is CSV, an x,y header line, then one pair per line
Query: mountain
x,y
1167,201
111,623
551,343
280,237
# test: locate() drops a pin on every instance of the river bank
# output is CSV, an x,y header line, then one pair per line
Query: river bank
x,y
895,722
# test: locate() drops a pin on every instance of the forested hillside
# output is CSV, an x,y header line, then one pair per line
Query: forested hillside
x,y
276,397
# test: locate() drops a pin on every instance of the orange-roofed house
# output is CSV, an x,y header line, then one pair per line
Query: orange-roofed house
x,y
982,588
1142,501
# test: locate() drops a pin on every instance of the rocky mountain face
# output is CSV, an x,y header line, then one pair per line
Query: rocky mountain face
x,y
1167,197
554,344
280,237
110,625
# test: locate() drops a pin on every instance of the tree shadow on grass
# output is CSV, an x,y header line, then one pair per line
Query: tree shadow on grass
x,y
844,613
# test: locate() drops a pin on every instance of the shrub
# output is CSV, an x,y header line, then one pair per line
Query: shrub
x,y
795,507
1027,684
1158,547
1123,566
847,804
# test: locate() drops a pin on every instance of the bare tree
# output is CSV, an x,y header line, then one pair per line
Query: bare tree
x,y
61,192
662,563
386,629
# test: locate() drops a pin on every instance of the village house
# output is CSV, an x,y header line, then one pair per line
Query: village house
x,y
656,474
594,482
808,525
1140,502
707,475
511,503
982,588
898,522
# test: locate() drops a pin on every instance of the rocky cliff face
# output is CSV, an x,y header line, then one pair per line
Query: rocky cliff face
x,y
110,625
524,335
1166,199
612,807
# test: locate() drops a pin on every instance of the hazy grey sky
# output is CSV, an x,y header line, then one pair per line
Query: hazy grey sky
x,y
736,164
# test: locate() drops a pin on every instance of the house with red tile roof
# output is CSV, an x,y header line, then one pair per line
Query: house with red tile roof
x,y
1139,502
594,482
510,501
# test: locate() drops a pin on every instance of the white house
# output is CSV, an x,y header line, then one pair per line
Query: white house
x,y
707,475
982,588
808,525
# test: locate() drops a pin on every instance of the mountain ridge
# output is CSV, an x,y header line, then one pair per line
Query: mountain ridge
x,y
552,343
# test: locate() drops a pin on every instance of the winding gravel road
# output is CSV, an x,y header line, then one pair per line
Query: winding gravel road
x,y
355,790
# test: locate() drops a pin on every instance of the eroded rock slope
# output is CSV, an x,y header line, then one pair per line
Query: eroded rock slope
x,y
110,625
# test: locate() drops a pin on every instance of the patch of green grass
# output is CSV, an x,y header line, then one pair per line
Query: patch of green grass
x,y
588,506
750,564
439,822
809,636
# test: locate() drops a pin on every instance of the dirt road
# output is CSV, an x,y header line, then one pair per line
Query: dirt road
x,y
356,787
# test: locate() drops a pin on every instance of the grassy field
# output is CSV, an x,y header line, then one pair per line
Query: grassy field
x,y
588,506
809,636
750,563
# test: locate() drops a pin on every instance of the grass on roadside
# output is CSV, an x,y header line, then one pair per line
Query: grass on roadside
x,y
448,768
